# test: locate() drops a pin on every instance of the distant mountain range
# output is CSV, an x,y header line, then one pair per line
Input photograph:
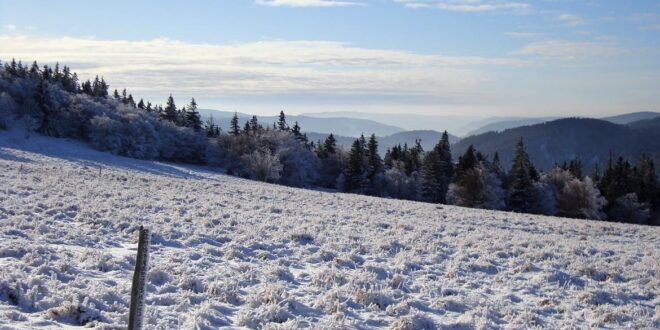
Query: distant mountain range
x,y
549,140
351,127
457,125
589,140
494,124
632,117
429,139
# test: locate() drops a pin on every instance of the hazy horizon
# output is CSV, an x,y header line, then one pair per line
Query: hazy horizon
x,y
433,57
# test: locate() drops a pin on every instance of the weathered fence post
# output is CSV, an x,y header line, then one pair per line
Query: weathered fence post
x,y
138,291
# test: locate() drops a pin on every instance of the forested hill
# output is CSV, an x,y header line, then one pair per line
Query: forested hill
x,y
428,139
554,142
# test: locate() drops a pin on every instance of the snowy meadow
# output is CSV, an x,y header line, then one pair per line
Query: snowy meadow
x,y
240,253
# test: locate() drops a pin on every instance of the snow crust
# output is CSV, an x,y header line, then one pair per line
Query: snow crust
x,y
232,252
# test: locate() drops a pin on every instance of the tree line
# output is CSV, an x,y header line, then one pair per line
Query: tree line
x,y
53,102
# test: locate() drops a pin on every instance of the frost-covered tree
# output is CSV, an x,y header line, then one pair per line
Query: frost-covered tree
x,y
581,199
262,165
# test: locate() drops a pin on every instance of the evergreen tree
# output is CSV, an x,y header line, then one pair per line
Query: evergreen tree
x,y
470,185
375,168
281,122
124,97
648,190
116,95
130,101
34,71
211,128
330,144
141,105
355,179
254,124
234,129
437,171
170,112
296,131
42,99
193,119
522,196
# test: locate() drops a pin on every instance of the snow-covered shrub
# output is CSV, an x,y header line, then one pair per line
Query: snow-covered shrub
x,y
628,209
7,109
581,199
262,165
399,185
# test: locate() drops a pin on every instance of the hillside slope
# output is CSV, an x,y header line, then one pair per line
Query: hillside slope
x,y
589,140
228,251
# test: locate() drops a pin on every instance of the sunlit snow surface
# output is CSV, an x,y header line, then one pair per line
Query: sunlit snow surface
x,y
232,252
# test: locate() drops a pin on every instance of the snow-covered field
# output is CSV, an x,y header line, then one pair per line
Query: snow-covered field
x,y
232,252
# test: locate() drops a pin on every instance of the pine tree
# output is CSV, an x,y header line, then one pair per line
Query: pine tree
x,y
234,129
281,122
254,124
34,71
210,127
437,171
647,182
375,168
141,105
522,196
116,95
170,113
330,144
42,99
130,101
124,97
193,119
355,179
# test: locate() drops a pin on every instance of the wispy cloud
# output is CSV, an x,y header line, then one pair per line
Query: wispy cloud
x,y
570,50
259,68
307,3
570,19
652,27
469,5
10,27
522,35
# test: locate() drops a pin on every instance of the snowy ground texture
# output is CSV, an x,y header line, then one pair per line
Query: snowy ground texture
x,y
231,252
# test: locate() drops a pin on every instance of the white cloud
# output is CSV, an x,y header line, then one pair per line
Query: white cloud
x,y
570,19
306,3
259,68
468,5
10,27
570,50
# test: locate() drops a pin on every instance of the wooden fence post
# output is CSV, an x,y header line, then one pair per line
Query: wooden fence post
x,y
138,291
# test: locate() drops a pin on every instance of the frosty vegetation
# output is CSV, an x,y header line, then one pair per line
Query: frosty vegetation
x,y
53,102
230,252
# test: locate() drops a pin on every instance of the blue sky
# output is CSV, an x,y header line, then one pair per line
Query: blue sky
x,y
476,57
